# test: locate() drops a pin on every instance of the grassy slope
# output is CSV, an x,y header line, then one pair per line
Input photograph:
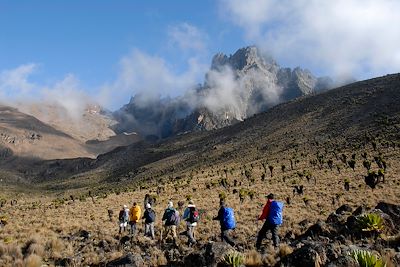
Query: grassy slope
x,y
331,123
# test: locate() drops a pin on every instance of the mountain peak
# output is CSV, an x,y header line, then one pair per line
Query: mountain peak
x,y
243,59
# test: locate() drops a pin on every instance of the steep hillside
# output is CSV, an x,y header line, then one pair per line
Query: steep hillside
x,y
93,124
343,119
25,136
316,154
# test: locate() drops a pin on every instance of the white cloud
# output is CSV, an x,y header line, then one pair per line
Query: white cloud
x,y
360,37
67,94
233,91
151,77
187,37
15,81
16,88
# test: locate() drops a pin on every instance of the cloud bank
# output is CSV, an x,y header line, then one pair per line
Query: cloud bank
x,y
17,89
356,37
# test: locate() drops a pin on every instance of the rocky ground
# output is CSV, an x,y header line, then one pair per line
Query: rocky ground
x,y
321,225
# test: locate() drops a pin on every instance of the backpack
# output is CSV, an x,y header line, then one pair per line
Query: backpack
x,y
194,215
151,216
275,213
121,215
228,219
176,218
172,217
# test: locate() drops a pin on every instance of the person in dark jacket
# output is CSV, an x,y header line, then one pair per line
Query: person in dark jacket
x,y
149,217
123,218
268,226
171,220
225,233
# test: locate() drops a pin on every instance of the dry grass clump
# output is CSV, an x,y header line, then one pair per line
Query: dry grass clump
x,y
253,259
33,260
55,247
284,250
34,246
10,255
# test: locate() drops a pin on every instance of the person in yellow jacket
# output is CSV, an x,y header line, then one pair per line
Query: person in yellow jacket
x,y
135,214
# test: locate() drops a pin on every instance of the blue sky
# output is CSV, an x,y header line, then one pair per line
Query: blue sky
x,y
110,50
88,38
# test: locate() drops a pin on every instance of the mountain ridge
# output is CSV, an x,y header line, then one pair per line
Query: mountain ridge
x,y
343,119
234,88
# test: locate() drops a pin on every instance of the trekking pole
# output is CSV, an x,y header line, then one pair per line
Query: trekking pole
x,y
161,236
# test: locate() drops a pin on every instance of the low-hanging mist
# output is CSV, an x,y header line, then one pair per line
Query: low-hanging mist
x,y
234,88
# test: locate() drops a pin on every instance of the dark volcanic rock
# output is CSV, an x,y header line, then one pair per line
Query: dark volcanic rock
x,y
194,260
129,260
342,261
343,209
215,251
360,210
392,210
305,256
318,229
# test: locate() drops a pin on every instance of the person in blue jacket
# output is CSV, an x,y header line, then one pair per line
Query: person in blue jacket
x,y
226,223
272,214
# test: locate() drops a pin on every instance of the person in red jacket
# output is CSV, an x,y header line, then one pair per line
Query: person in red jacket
x,y
268,226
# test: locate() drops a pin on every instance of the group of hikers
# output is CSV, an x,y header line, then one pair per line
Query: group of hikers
x,y
271,213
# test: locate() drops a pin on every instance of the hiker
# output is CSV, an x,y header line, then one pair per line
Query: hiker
x,y
134,217
149,217
148,199
123,218
272,214
227,222
191,216
171,220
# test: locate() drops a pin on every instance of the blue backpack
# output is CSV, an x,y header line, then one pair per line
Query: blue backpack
x,y
275,213
228,219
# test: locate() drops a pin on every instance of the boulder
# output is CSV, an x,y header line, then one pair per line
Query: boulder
x,y
64,262
392,210
84,234
129,260
194,260
342,261
305,256
104,245
343,209
333,218
318,229
360,210
172,254
215,252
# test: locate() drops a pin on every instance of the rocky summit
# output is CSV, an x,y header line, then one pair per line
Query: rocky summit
x,y
235,88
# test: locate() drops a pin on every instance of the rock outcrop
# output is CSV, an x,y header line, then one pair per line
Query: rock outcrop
x,y
235,88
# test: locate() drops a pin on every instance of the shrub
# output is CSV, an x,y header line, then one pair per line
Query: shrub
x,y
33,261
253,259
370,222
222,196
365,258
233,258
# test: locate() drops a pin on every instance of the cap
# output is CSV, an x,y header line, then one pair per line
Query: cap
x,y
270,196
